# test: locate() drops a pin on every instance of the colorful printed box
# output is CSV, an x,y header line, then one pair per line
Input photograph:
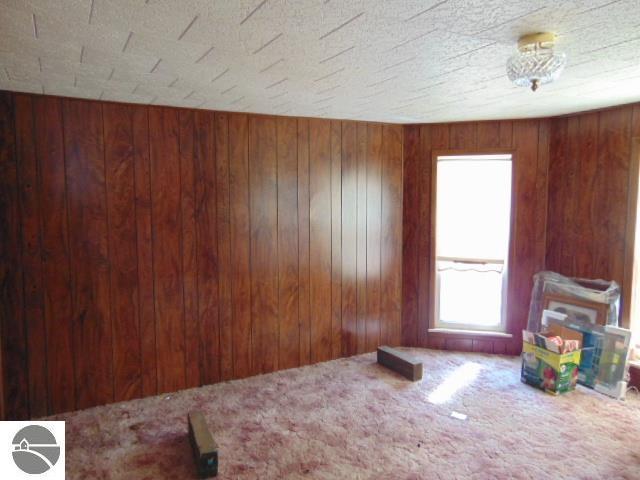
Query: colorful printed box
x,y
552,372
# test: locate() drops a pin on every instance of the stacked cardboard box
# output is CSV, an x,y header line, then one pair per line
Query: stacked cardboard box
x,y
550,360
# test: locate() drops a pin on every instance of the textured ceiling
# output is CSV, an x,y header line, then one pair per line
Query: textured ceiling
x,y
386,60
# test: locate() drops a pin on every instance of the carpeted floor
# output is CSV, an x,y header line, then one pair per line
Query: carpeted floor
x,y
351,418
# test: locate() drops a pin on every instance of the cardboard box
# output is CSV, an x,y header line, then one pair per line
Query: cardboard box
x,y
570,338
550,371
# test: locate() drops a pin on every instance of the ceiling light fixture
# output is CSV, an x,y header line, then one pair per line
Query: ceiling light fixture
x,y
535,63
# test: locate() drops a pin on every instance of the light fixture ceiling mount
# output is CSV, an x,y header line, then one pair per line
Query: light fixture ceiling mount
x,y
536,62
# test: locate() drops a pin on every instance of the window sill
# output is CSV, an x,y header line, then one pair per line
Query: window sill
x,y
477,333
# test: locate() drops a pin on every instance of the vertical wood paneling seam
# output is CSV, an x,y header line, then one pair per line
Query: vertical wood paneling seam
x,y
331,231
381,307
429,228
40,230
309,235
153,263
546,189
36,191
425,228
331,133
279,319
340,354
358,253
3,403
401,259
19,237
153,268
72,292
215,226
366,237
298,236
196,255
379,165
331,192
298,232
106,211
20,234
20,255
419,229
229,271
591,213
575,177
357,224
135,216
598,146
181,232
251,343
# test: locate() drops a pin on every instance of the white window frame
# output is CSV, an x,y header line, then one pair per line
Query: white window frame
x,y
435,322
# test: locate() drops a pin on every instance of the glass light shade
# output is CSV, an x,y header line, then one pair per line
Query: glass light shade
x,y
534,66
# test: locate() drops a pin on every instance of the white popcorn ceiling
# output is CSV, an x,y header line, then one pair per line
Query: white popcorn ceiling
x,y
382,60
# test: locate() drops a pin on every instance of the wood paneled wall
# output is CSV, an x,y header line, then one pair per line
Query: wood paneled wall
x,y
148,249
575,209
592,177
529,142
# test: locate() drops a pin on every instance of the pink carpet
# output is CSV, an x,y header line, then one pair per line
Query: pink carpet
x,y
351,418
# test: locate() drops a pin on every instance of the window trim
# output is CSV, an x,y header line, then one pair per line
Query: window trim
x,y
433,304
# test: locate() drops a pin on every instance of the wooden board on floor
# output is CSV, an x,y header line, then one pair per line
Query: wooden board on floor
x,y
205,449
400,362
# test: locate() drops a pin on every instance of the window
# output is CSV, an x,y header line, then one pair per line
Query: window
x,y
472,226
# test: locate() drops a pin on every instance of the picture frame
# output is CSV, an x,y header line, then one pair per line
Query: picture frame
x,y
552,315
612,365
576,309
